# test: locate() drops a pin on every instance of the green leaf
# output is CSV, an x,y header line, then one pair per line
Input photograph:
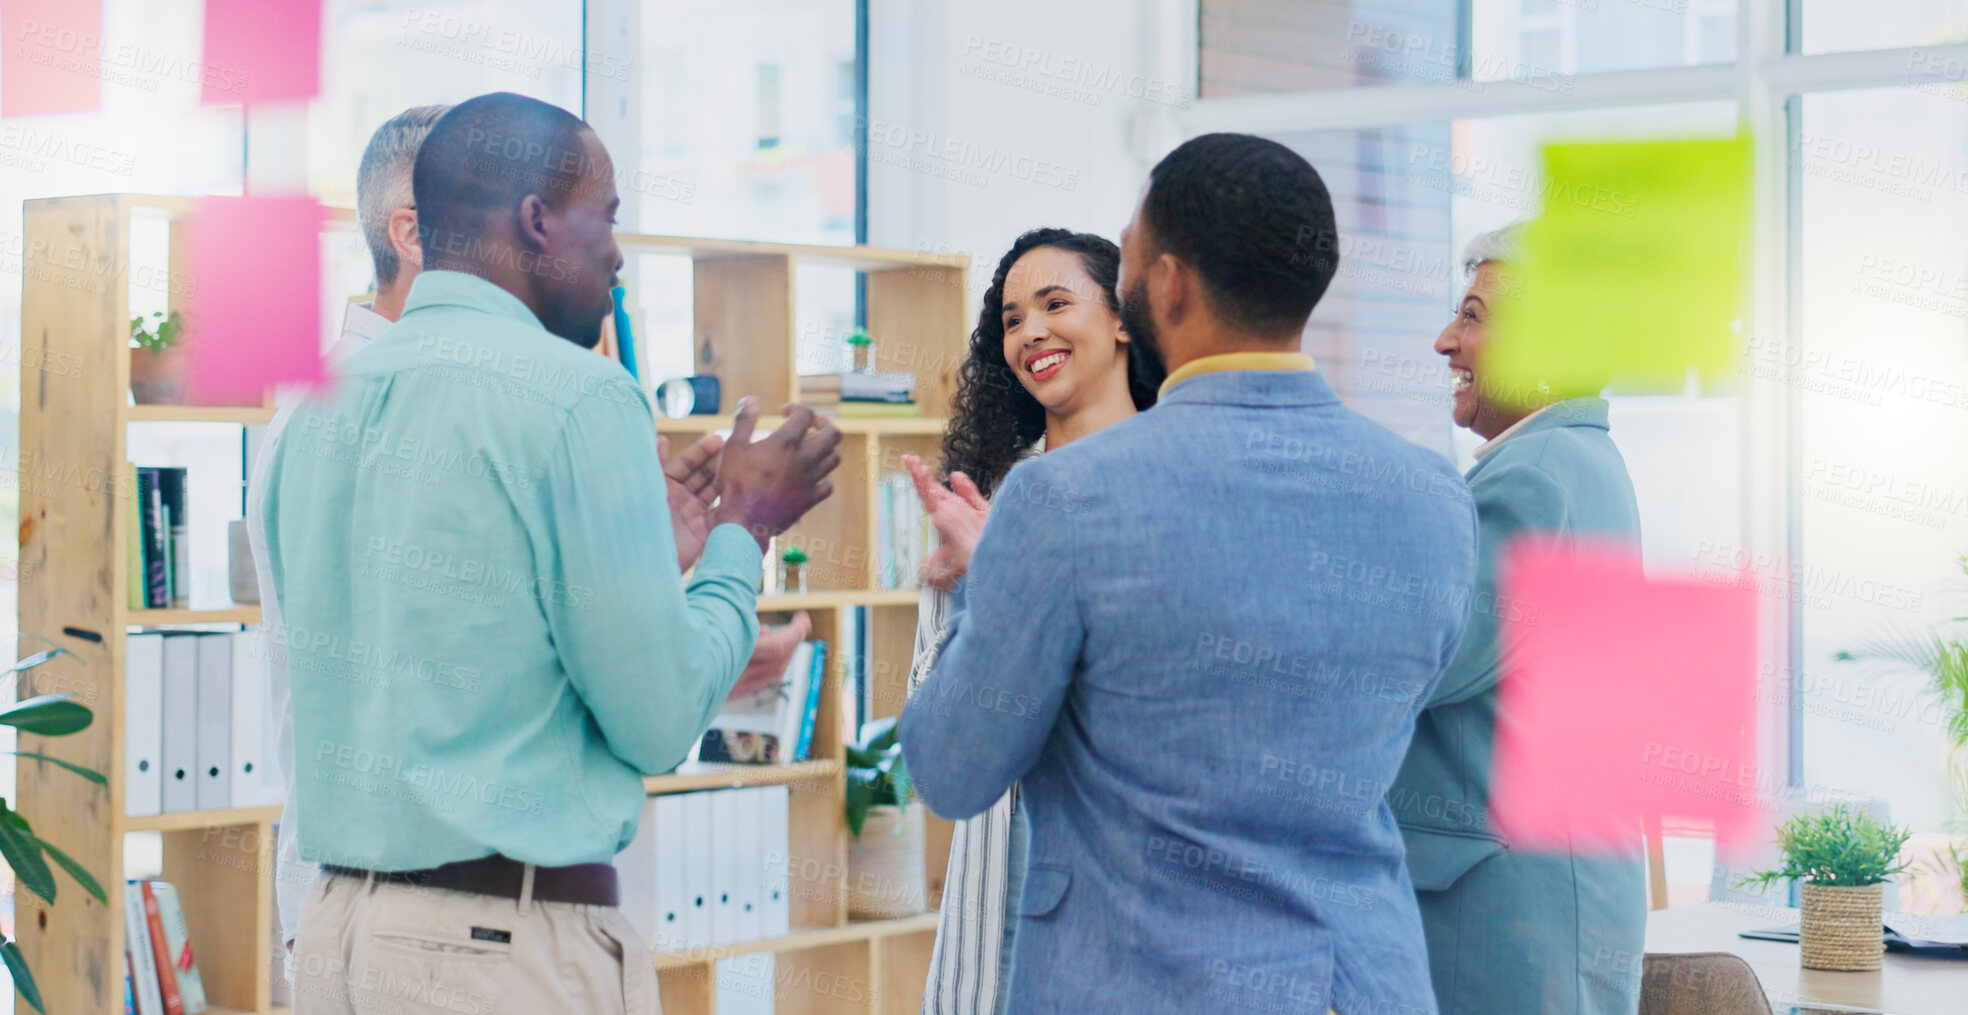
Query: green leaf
x,y
37,659
48,715
1840,847
23,977
858,758
860,797
22,850
87,773
879,735
77,871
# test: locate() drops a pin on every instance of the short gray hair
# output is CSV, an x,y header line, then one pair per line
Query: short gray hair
x,y
1503,246
382,184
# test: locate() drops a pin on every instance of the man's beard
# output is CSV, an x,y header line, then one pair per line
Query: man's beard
x,y
1140,324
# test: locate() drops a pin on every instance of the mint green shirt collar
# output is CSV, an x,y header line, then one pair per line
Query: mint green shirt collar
x,y
439,288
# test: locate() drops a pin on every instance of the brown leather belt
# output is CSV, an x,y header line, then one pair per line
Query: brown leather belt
x,y
587,884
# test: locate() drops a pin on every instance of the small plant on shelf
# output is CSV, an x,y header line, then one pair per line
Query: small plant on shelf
x,y
163,338
1843,856
792,570
885,865
47,715
157,358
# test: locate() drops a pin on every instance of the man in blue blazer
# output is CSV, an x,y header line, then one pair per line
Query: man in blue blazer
x,y
1200,638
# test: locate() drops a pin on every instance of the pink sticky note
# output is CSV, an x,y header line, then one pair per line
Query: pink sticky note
x,y
52,57
254,317
261,51
1627,701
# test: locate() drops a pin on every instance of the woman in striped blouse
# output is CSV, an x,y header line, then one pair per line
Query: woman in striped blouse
x,y
1049,363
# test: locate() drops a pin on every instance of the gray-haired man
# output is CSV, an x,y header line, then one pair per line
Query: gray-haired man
x,y
389,225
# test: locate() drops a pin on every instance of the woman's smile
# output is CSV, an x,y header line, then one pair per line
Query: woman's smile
x,y
1044,364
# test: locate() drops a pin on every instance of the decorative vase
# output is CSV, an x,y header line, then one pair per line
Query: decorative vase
x,y
157,378
1842,928
792,577
885,865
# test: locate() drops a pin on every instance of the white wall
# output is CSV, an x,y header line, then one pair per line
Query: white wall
x,y
988,119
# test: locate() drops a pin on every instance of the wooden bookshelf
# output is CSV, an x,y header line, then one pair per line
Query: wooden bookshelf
x,y
222,861
170,618
244,415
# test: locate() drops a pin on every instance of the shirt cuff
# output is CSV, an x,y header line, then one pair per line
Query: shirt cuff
x,y
731,550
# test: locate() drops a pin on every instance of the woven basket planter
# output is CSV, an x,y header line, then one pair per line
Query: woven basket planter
x,y
1842,928
885,865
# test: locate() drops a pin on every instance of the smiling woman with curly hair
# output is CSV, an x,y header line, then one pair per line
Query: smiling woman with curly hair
x,y
1002,408
1049,363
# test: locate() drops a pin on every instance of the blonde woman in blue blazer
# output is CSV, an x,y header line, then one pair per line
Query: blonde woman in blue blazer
x,y
1512,931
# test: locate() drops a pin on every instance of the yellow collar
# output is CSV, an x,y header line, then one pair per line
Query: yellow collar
x,y
1235,361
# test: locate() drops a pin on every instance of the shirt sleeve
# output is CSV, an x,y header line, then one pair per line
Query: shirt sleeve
x,y
979,721
1511,500
651,659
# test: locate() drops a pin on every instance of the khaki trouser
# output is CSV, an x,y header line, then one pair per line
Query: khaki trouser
x,y
393,949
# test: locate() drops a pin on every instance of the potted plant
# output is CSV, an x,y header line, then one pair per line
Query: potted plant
x,y
157,360
1843,856
861,349
792,570
47,715
885,861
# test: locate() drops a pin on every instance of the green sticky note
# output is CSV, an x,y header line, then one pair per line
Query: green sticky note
x,y
1633,271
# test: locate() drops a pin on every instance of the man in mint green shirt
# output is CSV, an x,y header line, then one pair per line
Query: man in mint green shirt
x,y
490,640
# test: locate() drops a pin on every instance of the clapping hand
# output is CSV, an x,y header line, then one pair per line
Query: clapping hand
x,y
692,481
770,656
958,516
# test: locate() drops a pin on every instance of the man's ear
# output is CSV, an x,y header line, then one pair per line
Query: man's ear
x,y
1177,291
531,227
403,237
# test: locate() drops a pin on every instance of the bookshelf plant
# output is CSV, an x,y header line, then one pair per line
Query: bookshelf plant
x,y
74,512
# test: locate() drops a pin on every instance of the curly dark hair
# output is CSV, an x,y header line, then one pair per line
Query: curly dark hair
x,y
995,418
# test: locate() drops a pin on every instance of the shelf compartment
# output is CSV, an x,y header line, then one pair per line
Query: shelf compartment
x,y
179,821
164,618
700,775
833,599
907,426
800,939
244,415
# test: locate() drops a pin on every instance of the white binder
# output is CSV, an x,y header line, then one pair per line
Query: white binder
x,y
670,916
696,834
180,733
748,851
256,778
775,841
635,875
727,866
214,749
143,703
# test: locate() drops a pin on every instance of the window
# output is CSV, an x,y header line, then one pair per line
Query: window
x,y
1830,25
1839,456
1883,416
782,169
1263,47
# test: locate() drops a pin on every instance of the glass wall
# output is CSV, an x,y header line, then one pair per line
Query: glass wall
x,y
1253,46
1859,371
749,113
1881,380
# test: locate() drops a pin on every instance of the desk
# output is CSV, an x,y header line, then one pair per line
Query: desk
x,y
1909,983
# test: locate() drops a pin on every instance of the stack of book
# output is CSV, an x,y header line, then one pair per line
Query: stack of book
x,y
160,976
903,538
160,555
859,394
773,726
